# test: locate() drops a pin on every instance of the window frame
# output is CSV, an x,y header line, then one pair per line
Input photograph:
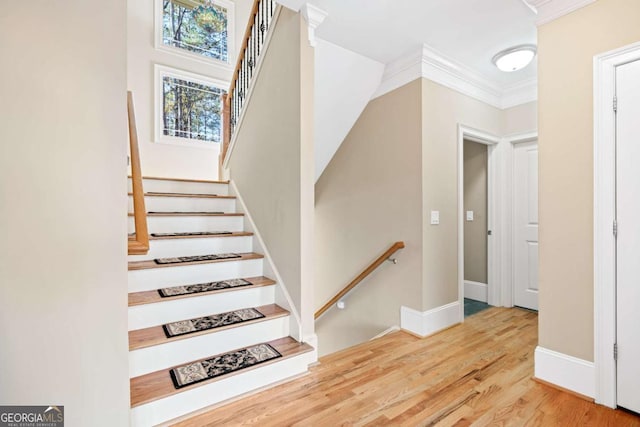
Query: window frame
x,y
161,71
159,45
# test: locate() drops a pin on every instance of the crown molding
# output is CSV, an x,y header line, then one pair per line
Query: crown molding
x,y
550,10
435,66
314,17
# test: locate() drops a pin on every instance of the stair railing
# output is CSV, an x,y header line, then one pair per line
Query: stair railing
x,y
370,269
139,241
255,37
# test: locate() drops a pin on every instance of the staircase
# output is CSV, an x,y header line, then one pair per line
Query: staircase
x,y
189,206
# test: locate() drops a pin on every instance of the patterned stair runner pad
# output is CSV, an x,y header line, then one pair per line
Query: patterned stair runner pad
x,y
159,193
210,322
216,366
195,258
194,233
186,213
202,287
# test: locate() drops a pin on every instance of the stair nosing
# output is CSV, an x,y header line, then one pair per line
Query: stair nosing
x,y
303,348
187,214
282,312
267,282
150,264
203,236
187,195
203,181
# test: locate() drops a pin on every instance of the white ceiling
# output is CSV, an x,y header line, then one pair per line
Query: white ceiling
x,y
467,31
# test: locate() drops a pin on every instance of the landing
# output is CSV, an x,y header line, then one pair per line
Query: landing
x,y
478,372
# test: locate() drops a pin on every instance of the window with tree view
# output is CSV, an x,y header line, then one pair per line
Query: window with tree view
x,y
198,26
191,110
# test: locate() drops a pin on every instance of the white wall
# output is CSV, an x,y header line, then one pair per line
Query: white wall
x,y
161,159
345,82
63,278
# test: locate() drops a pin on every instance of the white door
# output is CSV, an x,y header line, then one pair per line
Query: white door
x,y
628,240
525,225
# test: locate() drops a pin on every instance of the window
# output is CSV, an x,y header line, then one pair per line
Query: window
x,y
198,28
188,108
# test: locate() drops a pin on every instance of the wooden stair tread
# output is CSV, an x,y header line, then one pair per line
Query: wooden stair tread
x,y
151,297
143,265
141,338
190,195
157,385
202,236
189,214
206,181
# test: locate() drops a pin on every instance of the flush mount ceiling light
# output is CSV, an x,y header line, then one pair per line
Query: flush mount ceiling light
x,y
514,58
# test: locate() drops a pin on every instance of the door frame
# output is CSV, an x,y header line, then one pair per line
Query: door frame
x,y
494,195
604,203
508,238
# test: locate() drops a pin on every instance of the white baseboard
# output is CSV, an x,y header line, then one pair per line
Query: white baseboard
x,y
476,291
430,321
386,331
565,371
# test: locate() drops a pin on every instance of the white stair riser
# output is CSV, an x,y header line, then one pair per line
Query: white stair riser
x,y
151,359
186,204
177,224
154,278
147,315
161,186
194,246
196,398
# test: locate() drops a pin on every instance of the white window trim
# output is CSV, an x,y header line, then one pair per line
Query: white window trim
x,y
225,65
160,71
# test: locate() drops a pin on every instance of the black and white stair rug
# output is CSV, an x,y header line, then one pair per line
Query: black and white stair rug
x,y
216,366
202,287
213,321
196,258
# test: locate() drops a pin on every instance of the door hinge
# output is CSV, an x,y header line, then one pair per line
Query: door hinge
x,y
615,228
615,104
615,351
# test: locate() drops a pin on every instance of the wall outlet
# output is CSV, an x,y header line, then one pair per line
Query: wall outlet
x,y
469,215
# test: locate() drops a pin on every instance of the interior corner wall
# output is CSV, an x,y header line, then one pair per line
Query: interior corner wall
x,y
566,48
63,199
475,200
443,109
369,197
520,119
162,159
266,162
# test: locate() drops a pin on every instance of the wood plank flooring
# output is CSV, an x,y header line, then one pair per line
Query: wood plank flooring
x,y
475,374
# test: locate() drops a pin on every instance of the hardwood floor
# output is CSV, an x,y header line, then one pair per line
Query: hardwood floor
x,y
474,374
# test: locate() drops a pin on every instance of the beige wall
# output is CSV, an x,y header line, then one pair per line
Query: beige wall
x,y
566,48
442,110
367,198
161,159
475,199
63,277
520,119
272,162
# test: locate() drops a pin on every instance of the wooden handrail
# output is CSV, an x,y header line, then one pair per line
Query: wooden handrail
x,y
245,43
382,258
139,243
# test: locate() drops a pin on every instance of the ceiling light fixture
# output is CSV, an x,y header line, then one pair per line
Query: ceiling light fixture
x,y
514,58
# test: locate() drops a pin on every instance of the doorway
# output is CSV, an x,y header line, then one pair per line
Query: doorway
x,y
481,258
616,311
476,228
627,234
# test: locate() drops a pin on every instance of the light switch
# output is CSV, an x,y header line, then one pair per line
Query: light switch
x,y
469,215
435,217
